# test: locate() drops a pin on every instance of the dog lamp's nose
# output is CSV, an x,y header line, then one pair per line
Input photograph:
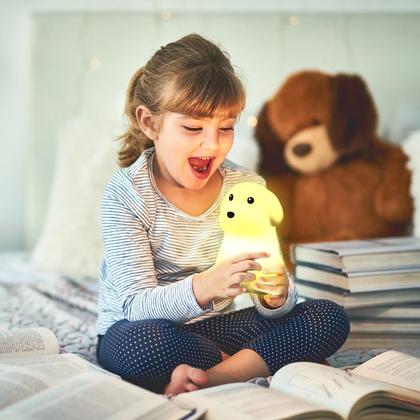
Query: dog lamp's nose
x,y
230,214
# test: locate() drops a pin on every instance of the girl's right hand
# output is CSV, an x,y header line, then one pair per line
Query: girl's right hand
x,y
222,280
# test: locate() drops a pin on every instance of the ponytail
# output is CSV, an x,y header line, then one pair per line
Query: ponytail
x,y
134,141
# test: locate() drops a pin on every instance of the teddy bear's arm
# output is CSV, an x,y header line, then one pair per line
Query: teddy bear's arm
x,y
393,201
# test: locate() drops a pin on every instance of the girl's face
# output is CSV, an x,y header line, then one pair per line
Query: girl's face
x,y
189,150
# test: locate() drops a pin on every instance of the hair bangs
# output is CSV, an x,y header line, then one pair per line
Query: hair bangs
x,y
207,92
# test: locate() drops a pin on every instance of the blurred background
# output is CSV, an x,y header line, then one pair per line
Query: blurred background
x,y
65,66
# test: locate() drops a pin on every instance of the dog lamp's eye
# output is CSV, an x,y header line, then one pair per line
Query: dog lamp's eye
x,y
230,197
250,200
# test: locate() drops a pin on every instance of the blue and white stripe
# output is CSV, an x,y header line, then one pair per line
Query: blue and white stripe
x,y
152,250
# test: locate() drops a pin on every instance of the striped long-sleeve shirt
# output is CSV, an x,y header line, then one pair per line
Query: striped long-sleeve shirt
x,y
153,250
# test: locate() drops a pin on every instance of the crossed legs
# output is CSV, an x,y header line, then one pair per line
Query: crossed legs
x,y
161,356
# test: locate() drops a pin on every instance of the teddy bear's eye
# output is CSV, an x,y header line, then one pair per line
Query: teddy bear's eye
x,y
230,197
250,200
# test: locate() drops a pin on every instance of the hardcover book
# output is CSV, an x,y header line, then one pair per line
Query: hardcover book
x,y
361,255
349,300
361,281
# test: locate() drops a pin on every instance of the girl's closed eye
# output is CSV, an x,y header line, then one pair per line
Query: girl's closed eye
x,y
188,128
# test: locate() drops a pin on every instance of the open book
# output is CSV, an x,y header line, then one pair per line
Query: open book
x,y
385,387
38,382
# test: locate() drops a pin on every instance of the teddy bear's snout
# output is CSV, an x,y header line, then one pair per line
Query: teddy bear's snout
x,y
230,214
302,149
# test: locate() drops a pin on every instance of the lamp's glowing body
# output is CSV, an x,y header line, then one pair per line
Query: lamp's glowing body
x,y
249,214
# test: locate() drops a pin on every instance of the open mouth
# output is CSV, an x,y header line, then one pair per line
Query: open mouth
x,y
201,165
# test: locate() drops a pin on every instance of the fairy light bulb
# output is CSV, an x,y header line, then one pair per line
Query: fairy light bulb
x,y
293,20
94,63
252,121
166,15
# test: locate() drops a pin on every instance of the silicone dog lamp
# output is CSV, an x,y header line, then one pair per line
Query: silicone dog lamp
x,y
249,214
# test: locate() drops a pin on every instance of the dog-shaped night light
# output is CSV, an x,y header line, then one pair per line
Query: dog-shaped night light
x,y
249,214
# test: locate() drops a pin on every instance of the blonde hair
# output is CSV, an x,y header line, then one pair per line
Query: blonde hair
x,y
191,76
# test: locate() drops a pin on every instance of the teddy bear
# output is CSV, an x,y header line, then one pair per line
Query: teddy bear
x,y
322,157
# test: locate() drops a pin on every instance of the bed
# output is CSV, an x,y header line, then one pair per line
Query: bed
x,y
54,283
31,298
67,306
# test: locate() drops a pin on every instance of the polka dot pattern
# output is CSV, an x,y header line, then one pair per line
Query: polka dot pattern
x,y
313,331
146,352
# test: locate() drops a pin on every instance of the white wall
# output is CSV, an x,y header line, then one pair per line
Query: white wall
x,y
13,122
377,40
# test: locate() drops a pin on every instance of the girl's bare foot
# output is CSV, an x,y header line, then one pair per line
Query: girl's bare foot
x,y
186,378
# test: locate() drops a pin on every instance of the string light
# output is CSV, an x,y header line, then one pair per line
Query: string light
x,y
294,20
166,15
252,121
95,63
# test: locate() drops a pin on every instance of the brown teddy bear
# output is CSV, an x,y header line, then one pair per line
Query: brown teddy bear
x,y
321,156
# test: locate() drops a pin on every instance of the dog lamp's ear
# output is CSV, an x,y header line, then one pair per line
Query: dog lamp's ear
x,y
275,209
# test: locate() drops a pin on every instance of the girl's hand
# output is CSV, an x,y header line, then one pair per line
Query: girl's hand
x,y
277,287
273,301
222,280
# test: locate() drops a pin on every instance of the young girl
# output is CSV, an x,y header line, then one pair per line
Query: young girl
x,y
165,317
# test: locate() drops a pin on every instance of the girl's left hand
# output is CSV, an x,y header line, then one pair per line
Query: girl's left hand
x,y
278,285
274,301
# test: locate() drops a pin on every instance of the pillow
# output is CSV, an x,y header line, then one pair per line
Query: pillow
x,y
411,147
70,242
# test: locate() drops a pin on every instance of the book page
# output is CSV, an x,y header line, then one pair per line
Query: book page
x,y
27,341
332,388
394,368
55,366
244,401
17,384
95,396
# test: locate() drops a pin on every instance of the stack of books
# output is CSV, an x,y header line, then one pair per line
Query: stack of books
x,y
377,282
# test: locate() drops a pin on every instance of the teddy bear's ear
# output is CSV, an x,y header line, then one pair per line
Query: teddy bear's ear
x,y
271,147
353,120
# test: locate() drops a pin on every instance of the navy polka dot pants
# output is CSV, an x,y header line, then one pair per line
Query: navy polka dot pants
x,y
146,352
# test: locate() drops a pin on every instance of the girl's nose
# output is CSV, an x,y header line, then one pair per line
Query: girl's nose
x,y
210,141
